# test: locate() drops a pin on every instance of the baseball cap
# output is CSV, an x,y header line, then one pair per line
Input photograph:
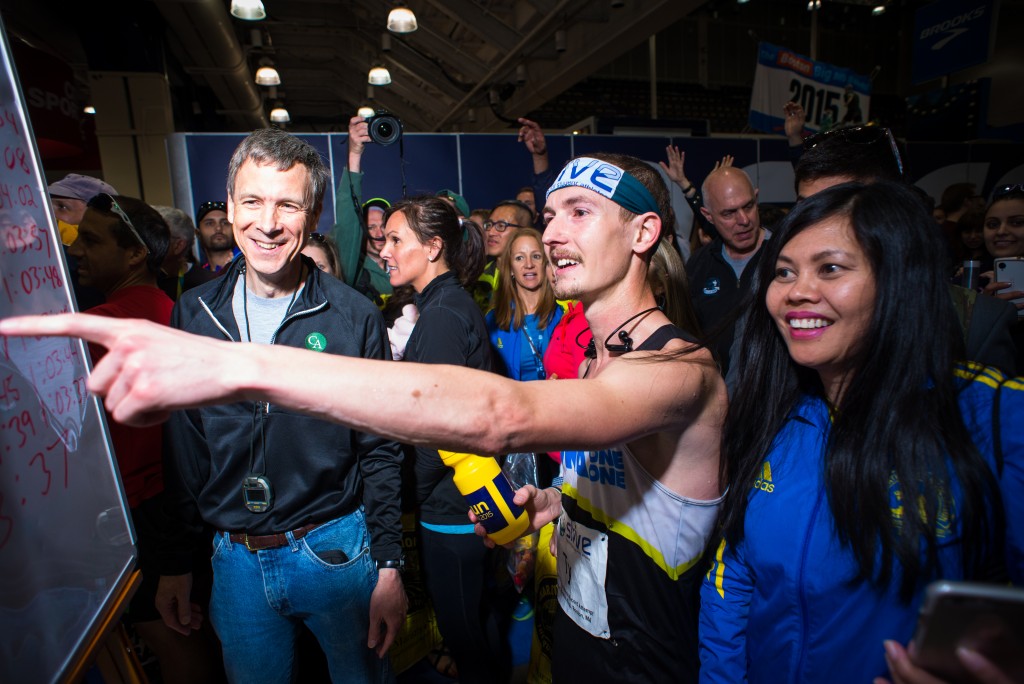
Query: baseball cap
x,y
461,205
77,186
206,207
375,203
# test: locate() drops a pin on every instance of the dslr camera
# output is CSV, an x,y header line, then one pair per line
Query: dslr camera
x,y
384,128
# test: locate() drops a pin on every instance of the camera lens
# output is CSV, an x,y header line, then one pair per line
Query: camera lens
x,y
385,129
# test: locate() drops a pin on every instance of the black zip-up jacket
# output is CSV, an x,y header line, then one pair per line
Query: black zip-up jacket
x,y
717,293
450,330
319,470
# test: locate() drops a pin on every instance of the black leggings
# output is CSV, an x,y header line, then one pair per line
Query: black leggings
x,y
473,620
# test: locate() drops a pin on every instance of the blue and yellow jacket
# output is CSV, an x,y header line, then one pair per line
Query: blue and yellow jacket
x,y
780,605
508,344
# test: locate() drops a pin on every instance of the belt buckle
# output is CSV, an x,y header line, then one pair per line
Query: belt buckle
x,y
248,545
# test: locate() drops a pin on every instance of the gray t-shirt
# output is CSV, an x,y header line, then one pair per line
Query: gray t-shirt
x,y
264,315
739,264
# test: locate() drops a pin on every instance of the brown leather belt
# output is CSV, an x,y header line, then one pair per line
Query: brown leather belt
x,y
261,542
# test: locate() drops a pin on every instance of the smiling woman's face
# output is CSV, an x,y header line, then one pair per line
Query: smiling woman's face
x,y
1004,228
822,299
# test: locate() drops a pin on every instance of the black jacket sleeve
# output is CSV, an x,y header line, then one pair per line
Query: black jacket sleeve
x,y
186,467
541,182
380,464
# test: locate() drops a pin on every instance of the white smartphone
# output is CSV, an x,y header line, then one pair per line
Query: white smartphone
x,y
987,618
1010,270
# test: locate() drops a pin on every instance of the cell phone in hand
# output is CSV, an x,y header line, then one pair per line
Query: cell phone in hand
x,y
987,618
1010,270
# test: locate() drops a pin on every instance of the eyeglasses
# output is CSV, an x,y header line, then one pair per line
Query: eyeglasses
x,y
500,226
1007,190
859,135
105,202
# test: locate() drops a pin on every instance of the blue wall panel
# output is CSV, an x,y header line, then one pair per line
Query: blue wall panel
x,y
494,167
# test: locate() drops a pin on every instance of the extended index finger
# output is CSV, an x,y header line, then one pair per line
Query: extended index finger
x,y
98,329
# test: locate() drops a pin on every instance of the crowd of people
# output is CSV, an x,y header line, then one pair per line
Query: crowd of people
x,y
750,467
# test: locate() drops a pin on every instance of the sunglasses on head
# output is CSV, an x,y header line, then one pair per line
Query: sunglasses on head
x,y
859,135
1004,191
106,202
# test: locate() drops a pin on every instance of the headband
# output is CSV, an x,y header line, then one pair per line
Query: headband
x,y
608,181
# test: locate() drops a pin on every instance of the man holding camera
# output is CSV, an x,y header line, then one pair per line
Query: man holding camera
x,y
359,227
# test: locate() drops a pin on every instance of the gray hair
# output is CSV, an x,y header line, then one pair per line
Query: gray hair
x,y
283,150
179,222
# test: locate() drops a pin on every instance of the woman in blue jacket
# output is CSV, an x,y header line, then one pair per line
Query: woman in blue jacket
x,y
860,456
525,312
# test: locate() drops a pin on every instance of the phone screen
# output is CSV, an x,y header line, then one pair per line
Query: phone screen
x,y
1011,270
988,619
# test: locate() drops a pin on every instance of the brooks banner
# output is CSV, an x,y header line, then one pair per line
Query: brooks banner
x,y
950,35
829,94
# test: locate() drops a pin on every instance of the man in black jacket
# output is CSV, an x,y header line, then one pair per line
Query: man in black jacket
x,y
305,512
720,274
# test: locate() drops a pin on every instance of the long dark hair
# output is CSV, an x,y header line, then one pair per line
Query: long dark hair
x,y
509,311
898,416
429,217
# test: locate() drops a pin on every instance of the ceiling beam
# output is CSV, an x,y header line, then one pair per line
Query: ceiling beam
x,y
592,46
511,56
449,52
409,60
405,101
484,24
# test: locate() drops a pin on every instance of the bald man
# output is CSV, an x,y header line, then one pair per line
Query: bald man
x,y
720,273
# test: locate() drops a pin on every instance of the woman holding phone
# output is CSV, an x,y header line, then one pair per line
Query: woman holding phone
x,y
1004,238
860,454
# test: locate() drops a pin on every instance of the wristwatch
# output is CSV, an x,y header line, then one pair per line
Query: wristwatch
x,y
393,563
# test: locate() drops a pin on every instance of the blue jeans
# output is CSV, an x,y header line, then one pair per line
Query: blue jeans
x,y
260,599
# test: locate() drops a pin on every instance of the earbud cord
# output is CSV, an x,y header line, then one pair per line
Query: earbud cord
x,y
627,343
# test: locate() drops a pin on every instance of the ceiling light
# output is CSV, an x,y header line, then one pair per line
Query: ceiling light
x,y
402,20
385,42
560,40
280,115
89,109
742,2
251,10
267,76
878,10
366,112
521,74
379,76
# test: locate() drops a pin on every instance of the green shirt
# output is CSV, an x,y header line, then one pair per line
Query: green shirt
x,y
351,237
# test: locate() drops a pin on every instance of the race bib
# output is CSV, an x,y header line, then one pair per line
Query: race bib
x,y
582,565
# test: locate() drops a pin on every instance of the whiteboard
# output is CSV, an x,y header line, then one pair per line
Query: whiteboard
x,y
66,541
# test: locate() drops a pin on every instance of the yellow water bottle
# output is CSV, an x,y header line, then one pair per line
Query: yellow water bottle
x,y
489,494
